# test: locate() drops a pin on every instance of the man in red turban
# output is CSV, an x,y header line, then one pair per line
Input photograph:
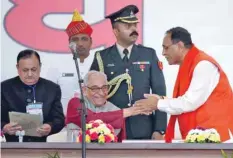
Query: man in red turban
x,y
80,32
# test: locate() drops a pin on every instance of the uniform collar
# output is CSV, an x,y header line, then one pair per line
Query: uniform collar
x,y
121,49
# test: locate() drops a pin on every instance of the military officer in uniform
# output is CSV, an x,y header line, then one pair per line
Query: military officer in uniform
x,y
132,70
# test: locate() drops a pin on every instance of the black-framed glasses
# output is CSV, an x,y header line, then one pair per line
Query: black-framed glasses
x,y
96,89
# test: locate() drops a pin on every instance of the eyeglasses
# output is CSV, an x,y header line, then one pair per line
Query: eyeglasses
x,y
96,89
167,47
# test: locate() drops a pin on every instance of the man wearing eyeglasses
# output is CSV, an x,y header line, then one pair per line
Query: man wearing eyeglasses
x,y
95,91
29,93
202,95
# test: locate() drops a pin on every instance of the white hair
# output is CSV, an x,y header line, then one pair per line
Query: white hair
x,y
93,72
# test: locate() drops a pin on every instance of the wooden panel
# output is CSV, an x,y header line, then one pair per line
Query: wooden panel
x,y
36,153
122,150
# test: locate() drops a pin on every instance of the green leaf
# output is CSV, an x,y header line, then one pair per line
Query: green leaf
x,y
223,154
49,156
56,155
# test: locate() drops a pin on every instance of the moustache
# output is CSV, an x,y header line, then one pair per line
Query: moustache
x,y
80,48
134,33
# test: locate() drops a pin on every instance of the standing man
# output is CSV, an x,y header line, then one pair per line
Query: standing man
x,y
132,70
202,96
80,32
25,92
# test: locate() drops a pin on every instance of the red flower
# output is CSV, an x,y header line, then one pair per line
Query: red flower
x,y
94,136
107,139
110,127
95,125
88,132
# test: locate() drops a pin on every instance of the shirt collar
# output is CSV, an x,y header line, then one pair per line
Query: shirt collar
x,y
121,49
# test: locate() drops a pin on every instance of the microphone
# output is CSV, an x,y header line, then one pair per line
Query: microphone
x,y
73,49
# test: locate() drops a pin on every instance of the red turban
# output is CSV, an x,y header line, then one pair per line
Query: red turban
x,y
78,26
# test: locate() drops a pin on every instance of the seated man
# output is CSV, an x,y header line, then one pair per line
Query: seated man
x,y
20,93
95,91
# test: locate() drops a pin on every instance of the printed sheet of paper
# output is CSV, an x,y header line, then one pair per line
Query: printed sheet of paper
x,y
29,122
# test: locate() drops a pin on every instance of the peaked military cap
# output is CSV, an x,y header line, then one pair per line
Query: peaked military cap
x,y
125,15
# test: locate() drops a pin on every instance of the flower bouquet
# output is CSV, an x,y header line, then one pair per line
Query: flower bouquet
x,y
98,132
201,135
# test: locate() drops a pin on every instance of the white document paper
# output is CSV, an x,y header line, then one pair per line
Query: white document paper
x,y
29,122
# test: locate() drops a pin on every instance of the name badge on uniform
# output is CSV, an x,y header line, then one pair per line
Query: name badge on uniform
x,y
110,65
35,108
67,74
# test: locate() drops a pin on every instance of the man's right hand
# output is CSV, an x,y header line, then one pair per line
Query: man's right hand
x,y
11,128
132,111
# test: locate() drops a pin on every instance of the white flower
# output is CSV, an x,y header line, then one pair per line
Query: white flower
x,y
191,132
2,139
196,135
214,137
193,138
106,131
103,129
206,134
200,132
98,121
93,130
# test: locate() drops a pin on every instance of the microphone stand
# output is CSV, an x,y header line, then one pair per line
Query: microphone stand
x,y
83,109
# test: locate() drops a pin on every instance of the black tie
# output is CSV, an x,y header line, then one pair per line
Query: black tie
x,y
126,59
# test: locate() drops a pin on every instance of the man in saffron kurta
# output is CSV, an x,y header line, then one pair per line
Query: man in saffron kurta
x,y
95,91
202,94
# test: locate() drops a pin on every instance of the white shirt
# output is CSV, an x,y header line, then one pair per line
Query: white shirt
x,y
205,79
66,77
121,49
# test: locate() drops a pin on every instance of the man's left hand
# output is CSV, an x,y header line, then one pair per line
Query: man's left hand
x,y
149,104
44,130
157,136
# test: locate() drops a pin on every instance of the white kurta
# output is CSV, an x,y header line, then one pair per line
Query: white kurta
x,y
205,79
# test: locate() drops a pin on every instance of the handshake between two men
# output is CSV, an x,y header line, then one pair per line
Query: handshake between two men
x,y
146,106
